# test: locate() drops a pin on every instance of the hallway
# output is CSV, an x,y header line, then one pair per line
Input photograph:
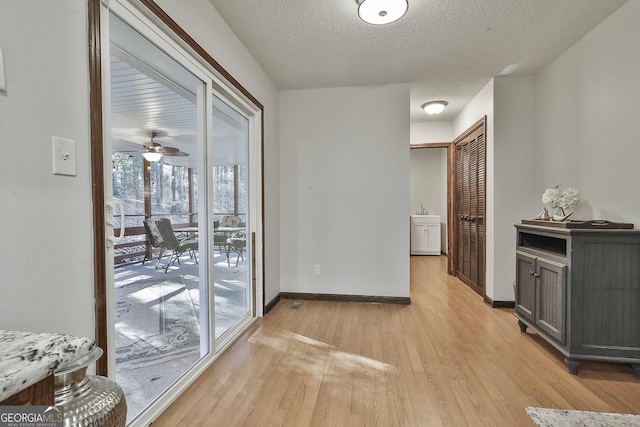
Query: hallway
x,y
446,359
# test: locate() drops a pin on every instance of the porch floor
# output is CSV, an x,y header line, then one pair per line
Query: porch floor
x,y
158,321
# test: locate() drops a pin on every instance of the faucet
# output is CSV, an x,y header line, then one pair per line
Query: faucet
x,y
423,211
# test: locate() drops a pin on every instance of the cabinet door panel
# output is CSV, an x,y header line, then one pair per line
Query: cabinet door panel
x,y
550,312
433,236
525,285
418,238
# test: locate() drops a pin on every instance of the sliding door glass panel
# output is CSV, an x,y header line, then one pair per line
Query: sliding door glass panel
x,y
232,253
160,290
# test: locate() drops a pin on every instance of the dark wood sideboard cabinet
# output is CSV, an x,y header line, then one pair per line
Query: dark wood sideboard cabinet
x,y
579,289
38,394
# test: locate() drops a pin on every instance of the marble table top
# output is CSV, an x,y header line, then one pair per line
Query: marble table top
x,y
28,357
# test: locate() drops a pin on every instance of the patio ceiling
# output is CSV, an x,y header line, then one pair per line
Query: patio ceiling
x,y
152,92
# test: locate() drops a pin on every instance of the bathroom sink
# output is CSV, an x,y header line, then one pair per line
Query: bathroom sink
x,y
425,219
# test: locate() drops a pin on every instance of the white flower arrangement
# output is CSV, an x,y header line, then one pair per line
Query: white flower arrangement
x,y
551,197
563,199
570,198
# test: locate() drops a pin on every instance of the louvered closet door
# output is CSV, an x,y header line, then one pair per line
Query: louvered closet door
x,y
480,221
470,210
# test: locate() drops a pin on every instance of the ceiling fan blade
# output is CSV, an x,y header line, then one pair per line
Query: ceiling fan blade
x,y
166,150
177,154
150,146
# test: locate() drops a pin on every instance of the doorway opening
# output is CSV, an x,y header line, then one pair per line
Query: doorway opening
x,y
465,200
429,194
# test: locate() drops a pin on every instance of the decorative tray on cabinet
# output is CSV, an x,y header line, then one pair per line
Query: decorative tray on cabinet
x,y
595,224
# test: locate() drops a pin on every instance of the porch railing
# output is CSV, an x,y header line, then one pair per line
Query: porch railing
x,y
124,256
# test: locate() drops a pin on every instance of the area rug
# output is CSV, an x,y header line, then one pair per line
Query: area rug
x,y
545,417
142,382
230,298
154,318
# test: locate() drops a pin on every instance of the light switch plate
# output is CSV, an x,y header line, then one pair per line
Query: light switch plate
x,y
64,156
3,78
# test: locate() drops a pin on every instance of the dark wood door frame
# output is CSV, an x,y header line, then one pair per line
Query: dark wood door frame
x,y
97,183
450,195
97,156
453,220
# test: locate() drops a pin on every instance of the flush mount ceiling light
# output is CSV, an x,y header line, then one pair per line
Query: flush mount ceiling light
x,y
434,107
381,11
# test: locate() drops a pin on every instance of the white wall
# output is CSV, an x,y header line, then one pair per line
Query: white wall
x,y
345,190
428,185
588,103
204,24
429,132
514,174
426,180
509,104
482,105
46,284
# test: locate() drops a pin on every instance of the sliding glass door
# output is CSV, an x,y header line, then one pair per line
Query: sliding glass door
x,y
182,183
181,186
160,291
232,253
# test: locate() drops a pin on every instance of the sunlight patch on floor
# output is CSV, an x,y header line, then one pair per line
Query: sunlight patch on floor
x,y
150,294
308,355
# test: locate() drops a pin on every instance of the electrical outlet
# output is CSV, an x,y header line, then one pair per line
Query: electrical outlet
x,y
64,156
316,270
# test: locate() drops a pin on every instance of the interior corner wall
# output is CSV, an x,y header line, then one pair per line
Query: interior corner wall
x,y
206,26
345,190
514,173
587,120
480,106
46,283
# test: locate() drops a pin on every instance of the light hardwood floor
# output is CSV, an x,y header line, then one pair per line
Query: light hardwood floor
x,y
447,359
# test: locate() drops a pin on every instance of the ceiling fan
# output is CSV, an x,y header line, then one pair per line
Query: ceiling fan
x,y
152,151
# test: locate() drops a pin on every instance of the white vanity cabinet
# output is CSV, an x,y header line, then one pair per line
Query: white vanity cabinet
x,y
425,235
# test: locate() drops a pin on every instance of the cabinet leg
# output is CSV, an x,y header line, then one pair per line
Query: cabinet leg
x,y
572,365
523,326
636,369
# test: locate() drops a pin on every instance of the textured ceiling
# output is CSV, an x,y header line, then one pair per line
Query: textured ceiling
x,y
446,49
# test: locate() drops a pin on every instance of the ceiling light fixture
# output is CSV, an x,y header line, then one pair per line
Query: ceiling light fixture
x,y
434,107
381,11
151,156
